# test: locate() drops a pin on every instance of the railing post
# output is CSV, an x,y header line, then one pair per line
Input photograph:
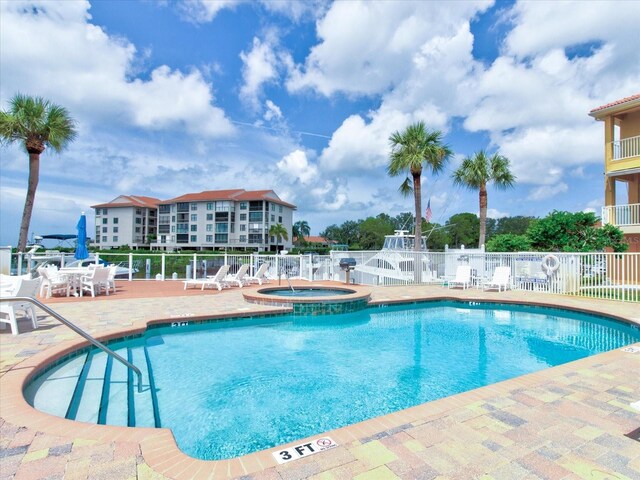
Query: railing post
x,y
130,266
162,265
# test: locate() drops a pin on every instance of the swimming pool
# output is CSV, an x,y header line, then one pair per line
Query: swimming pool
x,y
233,387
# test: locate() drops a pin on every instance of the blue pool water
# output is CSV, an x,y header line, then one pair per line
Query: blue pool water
x,y
305,292
234,387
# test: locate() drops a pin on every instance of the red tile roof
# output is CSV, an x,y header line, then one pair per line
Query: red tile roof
x,y
232,195
617,102
130,201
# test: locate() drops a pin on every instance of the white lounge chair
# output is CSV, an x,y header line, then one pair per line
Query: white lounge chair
x,y
463,277
218,280
96,281
261,275
500,280
26,288
240,277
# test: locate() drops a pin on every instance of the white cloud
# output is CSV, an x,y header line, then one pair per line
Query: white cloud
x,y
298,166
546,192
203,11
93,74
493,213
259,67
272,111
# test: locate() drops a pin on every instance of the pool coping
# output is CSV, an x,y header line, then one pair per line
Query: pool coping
x,y
159,448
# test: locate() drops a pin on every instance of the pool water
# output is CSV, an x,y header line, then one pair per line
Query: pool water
x,y
237,387
306,292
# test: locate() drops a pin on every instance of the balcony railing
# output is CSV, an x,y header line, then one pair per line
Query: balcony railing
x,y
621,215
626,148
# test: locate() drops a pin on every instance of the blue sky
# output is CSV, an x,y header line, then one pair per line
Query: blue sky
x,y
182,96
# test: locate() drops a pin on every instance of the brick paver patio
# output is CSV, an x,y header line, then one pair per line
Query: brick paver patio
x,y
569,421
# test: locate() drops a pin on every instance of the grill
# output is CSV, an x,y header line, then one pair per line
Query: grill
x,y
347,264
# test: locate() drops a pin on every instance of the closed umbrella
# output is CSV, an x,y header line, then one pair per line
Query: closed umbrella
x,y
81,246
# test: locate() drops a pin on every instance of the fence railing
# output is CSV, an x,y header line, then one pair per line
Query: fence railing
x,y
621,215
626,148
603,275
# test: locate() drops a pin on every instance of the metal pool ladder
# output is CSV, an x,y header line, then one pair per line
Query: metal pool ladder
x,y
80,332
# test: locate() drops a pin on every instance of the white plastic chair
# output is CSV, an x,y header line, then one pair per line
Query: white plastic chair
x,y
500,280
52,282
261,275
96,281
26,288
240,277
218,280
111,281
463,277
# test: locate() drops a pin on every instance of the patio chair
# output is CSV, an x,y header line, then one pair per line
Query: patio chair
x,y
111,280
261,275
218,280
26,288
52,282
240,277
463,277
501,279
96,281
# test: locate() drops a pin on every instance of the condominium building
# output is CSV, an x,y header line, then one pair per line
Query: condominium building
x,y
126,220
212,220
622,166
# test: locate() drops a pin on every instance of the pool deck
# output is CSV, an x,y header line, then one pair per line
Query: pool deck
x,y
569,421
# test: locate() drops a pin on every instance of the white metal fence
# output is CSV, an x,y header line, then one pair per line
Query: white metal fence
x,y
602,275
626,148
621,215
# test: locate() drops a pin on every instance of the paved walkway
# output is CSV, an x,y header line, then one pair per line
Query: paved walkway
x,y
569,421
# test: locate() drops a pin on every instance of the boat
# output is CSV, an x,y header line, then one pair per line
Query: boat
x,y
396,261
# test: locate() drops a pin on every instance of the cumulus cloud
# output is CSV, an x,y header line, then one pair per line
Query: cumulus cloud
x,y
272,111
547,191
259,67
203,11
493,213
298,166
93,74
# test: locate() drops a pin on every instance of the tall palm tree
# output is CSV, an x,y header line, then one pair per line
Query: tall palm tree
x,y
38,124
301,230
476,172
411,149
279,231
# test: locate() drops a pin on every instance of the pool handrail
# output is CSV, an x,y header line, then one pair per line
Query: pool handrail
x,y
80,332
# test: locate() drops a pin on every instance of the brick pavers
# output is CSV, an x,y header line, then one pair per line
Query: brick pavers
x,y
566,422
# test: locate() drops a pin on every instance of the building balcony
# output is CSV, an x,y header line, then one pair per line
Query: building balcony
x,y
625,148
626,217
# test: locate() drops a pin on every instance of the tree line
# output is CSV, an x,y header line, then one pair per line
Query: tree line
x,y
558,231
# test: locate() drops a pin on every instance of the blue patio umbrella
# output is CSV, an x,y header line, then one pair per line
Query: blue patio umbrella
x,y
81,246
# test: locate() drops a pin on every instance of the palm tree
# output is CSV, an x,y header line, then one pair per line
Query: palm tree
x,y
279,231
476,172
301,230
409,150
39,124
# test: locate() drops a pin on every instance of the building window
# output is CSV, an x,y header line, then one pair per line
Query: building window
x,y
194,207
255,216
209,217
163,239
280,209
243,205
209,227
194,217
243,217
104,239
194,228
104,221
138,221
243,238
210,206
273,218
164,208
115,238
273,207
173,229
104,211
104,229
182,207
138,229
221,237
222,216
115,229
279,219
273,239
209,238
194,238
164,219
97,211
222,227
115,220
243,227
138,211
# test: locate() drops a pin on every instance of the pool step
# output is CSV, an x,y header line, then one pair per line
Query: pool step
x,y
96,388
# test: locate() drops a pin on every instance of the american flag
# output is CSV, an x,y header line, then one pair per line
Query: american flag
x,y
428,214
